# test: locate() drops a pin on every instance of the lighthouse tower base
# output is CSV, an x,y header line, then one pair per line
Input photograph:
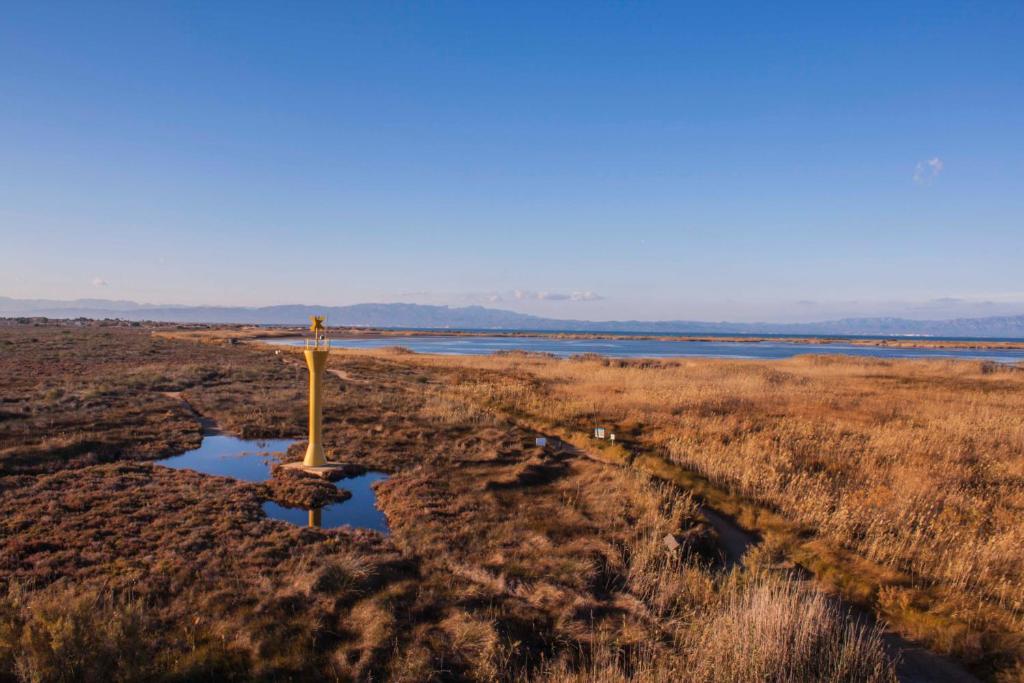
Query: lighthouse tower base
x,y
330,471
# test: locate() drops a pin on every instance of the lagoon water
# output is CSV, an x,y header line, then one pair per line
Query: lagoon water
x,y
655,348
226,456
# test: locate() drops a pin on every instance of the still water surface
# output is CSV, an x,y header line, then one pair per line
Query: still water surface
x,y
360,511
654,348
227,456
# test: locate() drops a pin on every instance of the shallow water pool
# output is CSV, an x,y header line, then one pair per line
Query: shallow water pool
x,y
251,460
360,511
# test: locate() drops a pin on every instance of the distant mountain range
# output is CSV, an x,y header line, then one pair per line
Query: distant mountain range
x,y
480,318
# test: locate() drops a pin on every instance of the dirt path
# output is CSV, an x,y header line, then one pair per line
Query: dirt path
x,y
208,424
343,375
732,539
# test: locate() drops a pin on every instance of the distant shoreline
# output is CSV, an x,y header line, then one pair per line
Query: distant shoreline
x,y
251,332
478,319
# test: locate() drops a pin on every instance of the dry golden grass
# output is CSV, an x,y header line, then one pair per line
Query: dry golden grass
x,y
697,625
915,466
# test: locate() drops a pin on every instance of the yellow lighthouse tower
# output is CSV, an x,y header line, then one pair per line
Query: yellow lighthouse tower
x,y
316,352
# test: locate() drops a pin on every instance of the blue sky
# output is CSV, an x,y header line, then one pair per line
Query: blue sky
x,y
749,161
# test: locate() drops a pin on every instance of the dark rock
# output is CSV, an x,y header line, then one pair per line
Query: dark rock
x,y
698,540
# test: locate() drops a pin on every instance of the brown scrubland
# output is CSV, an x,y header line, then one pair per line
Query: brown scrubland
x,y
891,487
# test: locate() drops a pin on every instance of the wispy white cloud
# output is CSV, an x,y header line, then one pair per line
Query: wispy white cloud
x,y
499,296
927,171
527,295
553,296
99,282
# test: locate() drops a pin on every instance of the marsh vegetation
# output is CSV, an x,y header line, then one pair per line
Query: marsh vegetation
x,y
868,480
902,482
